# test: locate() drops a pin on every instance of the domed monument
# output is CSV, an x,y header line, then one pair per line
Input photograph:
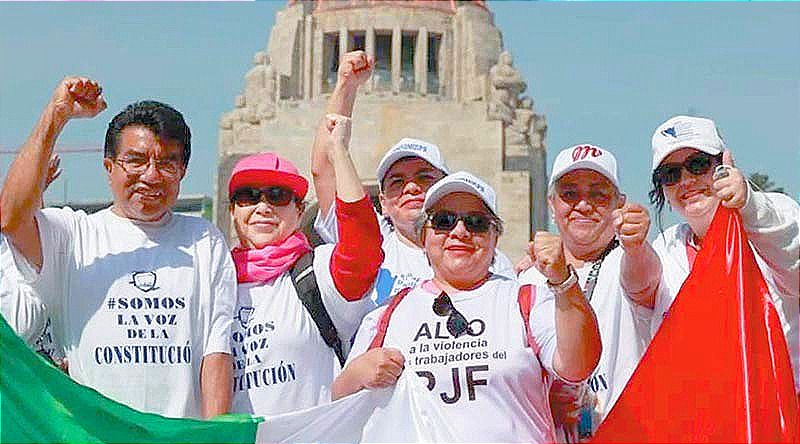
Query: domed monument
x,y
441,75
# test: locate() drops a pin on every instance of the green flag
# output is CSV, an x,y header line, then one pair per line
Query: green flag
x,y
40,404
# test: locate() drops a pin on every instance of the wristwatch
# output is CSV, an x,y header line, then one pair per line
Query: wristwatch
x,y
571,280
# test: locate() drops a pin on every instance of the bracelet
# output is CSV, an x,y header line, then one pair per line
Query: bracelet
x,y
571,280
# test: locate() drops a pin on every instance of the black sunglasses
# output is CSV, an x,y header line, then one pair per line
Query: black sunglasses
x,y
277,196
474,222
457,324
698,164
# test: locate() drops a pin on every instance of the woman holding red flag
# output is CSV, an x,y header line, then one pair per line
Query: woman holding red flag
x,y
694,172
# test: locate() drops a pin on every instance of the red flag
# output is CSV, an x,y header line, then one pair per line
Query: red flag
x,y
718,369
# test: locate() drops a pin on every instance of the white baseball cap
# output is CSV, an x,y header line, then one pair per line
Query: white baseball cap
x,y
408,147
686,132
585,156
461,181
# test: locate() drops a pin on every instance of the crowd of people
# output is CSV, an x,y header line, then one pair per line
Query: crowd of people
x,y
153,309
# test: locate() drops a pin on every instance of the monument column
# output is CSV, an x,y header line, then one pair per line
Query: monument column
x,y
396,58
421,62
316,79
369,48
307,48
342,42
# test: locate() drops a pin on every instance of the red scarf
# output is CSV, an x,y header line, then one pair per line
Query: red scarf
x,y
267,263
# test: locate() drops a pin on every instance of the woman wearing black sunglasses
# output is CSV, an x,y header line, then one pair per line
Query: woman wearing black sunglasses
x,y
281,361
481,343
694,172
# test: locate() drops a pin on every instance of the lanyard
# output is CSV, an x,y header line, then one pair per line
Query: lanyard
x,y
594,273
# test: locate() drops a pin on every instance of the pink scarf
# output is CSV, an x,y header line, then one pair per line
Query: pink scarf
x,y
265,264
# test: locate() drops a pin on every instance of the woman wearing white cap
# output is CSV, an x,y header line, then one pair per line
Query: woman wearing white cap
x,y
404,174
605,241
480,341
686,153
288,330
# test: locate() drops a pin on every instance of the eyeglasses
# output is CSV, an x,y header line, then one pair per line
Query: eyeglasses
x,y
277,196
137,165
474,222
595,197
670,173
457,324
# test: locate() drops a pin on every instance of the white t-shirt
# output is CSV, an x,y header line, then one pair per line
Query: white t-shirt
x,y
491,384
136,306
281,363
21,306
771,223
624,329
403,265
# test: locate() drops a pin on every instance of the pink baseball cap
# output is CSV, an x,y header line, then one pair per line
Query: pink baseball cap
x,y
266,169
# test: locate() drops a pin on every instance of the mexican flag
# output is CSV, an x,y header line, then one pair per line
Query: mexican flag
x,y
40,404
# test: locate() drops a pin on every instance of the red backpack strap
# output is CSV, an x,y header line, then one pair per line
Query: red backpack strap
x,y
383,323
526,297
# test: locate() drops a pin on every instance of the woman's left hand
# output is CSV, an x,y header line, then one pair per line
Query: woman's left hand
x,y
732,188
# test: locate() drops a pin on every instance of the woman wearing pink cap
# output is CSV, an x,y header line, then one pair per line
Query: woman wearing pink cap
x,y
482,344
693,171
296,308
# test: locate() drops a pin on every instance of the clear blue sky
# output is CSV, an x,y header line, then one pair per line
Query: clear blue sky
x,y
605,73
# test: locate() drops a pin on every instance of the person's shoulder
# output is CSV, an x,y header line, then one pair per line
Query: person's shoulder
x,y
676,234
531,276
196,225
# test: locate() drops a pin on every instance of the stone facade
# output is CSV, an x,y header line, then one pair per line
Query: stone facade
x,y
441,76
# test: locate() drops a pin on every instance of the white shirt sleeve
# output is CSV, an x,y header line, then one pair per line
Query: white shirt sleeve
x,y
771,221
222,297
21,307
543,326
346,315
366,332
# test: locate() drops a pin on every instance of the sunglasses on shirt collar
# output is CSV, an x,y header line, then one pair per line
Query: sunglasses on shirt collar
x,y
474,222
698,164
457,324
248,196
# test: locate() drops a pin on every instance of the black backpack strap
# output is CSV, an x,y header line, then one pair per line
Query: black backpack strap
x,y
305,282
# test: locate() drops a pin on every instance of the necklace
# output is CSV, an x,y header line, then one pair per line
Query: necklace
x,y
594,272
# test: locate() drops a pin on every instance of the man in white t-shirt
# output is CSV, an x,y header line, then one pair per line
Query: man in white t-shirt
x,y
141,299
605,241
404,174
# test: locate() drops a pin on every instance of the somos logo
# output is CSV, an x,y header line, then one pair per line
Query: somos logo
x,y
583,151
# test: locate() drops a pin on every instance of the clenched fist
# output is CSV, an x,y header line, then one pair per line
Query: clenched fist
x,y
378,368
354,69
631,223
77,97
547,253
731,186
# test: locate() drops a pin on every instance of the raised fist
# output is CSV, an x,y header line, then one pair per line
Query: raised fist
x,y
547,253
77,97
631,223
355,68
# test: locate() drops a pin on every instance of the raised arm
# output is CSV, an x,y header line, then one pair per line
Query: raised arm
x,y
772,222
357,255
640,275
74,97
578,344
354,69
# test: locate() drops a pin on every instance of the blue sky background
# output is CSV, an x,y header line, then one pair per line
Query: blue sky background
x,y
605,73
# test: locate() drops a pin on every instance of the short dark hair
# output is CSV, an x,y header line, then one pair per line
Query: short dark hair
x,y
163,120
